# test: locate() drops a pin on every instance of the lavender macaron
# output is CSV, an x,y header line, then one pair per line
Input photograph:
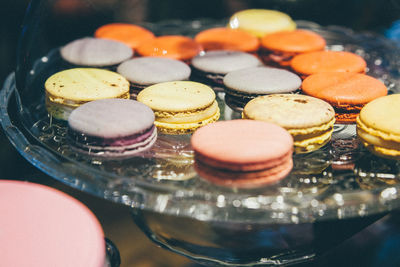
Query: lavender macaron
x,y
95,52
145,71
211,67
112,128
243,85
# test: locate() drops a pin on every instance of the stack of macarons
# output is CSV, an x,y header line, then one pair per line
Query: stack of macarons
x,y
279,78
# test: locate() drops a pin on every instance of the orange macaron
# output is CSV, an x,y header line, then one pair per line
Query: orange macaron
x,y
327,61
129,34
280,47
227,39
170,46
346,92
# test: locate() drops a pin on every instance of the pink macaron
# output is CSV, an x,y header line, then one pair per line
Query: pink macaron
x,y
41,226
242,153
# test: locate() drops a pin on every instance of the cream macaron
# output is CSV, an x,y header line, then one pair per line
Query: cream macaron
x,y
68,89
180,107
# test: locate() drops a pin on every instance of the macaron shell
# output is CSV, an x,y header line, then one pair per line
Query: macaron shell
x,y
95,52
256,144
296,41
152,70
223,61
262,80
261,21
170,46
129,34
249,180
179,96
42,226
227,39
328,61
86,84
291,111
115,118
341,89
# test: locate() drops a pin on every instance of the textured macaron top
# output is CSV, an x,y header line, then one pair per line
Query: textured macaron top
x,y
95,52
296,41
227,39
262,80
222,61
129,34
242,141
261,21
328,61
341,88
111,118
171,46
151,70
291,111
42,226
383,114
86,84
178,96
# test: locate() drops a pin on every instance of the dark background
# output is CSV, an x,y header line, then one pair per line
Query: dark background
x,y
378,245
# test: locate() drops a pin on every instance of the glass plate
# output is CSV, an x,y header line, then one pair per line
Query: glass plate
x,y
340,181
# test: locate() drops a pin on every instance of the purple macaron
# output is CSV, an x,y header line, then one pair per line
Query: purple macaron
x,y
112,128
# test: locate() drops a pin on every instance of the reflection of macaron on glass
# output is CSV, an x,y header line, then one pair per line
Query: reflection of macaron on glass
x,y
129,34
71,88
180,107
213,65
42,226
327,61
95,52
260,22
280,47
249,153
171,46
346,92
227,39
144,71
309,120
243,85
378,126
112,128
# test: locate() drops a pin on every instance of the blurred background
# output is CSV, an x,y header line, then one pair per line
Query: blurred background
x,y
374,246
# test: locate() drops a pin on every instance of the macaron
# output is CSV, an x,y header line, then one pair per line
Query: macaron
x,y
378,126
245,84
129,34
112,128
260,22
280,47
68,89
242,153
327,61
42,226
95,52
145,71
180,107
308,119
211,67
227,39
170,46
346,92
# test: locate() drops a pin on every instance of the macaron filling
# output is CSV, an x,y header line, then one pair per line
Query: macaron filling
x,y
129,145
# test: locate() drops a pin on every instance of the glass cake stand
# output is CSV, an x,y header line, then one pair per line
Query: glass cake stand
x,y
330,194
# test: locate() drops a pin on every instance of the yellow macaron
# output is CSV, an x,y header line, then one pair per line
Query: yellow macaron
x,y
309,120
260,22
378,126
68,89
180,107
